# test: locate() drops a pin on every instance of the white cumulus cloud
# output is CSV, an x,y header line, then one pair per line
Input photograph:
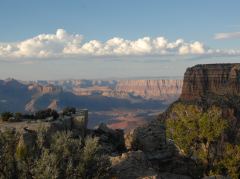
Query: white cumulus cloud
x,y
62,44
44,45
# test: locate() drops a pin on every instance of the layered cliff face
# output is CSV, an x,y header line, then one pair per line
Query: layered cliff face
x,y
210,101
151,89
215,85
167,90
129,94
203,81
44,89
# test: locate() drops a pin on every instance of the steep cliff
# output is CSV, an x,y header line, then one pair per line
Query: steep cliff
x,y
214,85
208,80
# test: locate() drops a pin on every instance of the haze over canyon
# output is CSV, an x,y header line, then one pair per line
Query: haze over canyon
x,y
119,103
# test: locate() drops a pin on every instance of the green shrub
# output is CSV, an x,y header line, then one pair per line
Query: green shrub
x,y
197,133
8,165
64,157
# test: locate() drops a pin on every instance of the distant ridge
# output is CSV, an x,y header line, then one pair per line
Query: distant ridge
x,y
30,96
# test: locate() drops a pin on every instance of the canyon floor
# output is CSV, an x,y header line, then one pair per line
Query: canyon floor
x,y
122,118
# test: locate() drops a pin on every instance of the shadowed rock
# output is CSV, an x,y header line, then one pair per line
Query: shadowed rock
x,y
112,141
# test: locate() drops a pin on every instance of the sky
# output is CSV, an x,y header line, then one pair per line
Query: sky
x,y
93,39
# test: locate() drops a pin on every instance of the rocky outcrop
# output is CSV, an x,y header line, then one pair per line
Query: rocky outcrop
x,y
151,139
112,141
218,85
133,164
202,81
163,156
207,86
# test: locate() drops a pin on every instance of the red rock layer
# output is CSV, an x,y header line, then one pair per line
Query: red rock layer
x,y
155,89
211,79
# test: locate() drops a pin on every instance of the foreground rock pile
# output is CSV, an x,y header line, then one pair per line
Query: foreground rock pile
x,y
149,154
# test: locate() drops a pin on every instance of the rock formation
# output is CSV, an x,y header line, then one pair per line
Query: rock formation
x,y
215,84
151,139
133,164
159,156
211,79
168,90
112,141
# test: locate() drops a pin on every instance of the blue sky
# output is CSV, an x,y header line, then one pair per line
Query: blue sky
x,y
209,31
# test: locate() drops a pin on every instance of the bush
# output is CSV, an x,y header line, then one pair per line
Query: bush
x,y
197,133
43,114
18,116
46,166
8,164
231,160
6,116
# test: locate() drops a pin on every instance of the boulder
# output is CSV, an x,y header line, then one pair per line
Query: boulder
x,y
131,165
112,141
134,164
151,139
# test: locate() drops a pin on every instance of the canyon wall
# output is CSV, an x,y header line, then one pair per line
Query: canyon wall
x,y
167,90
31,96
44,89
211,80
151,89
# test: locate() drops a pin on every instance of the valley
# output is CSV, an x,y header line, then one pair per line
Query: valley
x,y
122,118
123,104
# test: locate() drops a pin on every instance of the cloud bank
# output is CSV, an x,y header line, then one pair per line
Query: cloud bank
x,y
228,35
64,45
